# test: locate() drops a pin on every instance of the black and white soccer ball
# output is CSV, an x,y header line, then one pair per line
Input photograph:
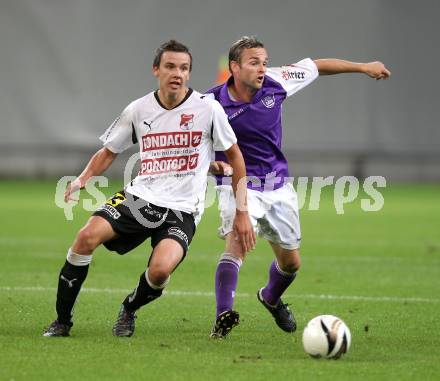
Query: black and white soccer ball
x,y
326,336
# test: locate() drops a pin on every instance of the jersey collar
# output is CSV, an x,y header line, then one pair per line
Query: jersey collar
x,y
226,99
188,94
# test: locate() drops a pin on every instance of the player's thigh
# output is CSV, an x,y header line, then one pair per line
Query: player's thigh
x,y
280,223
226,205
289,260
167,255
171,242
94,232
227,209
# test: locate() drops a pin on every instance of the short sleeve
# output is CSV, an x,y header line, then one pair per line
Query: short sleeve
x,y
296,76
222,134
118,137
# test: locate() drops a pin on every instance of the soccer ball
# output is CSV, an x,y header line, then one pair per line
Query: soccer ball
x,y
326,336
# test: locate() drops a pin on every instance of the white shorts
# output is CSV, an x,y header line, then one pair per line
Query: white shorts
x,y
274,214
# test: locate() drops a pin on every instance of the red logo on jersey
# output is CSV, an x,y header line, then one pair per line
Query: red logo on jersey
x,y
186,121
196,138
193,161
293,74
165,140
169,164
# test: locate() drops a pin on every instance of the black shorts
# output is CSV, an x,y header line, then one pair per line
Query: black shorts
x,y
135,220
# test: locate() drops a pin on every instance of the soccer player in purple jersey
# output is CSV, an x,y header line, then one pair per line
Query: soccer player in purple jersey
x,y
252,98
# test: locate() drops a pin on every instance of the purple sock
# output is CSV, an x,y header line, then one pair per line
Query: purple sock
x,y
278,282
226,279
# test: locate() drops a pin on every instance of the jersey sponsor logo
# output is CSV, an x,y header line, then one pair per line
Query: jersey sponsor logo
x,y
269,100
178,233
236,113
116,199
161,215
293,74
148,125
110,210
69,282
193,161
165,140
132,295
186,121
169,164
196,138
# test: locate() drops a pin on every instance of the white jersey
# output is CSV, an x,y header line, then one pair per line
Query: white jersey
x,y
294,77
176,147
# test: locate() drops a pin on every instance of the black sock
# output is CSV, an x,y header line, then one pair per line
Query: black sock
x,y
69,284
141,295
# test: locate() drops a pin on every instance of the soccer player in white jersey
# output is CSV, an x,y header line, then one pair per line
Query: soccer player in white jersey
x,y
252,98
177,129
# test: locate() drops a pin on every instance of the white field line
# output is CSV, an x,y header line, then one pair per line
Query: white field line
x,y
21,241
240,294
197,256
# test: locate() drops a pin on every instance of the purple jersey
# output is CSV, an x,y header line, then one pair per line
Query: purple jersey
x,y
257,125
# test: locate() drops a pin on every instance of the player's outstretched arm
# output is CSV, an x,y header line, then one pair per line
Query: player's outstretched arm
x,y
99,162
329,66
242,225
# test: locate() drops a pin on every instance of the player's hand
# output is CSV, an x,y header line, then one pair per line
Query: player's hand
x,y
376,70
244,231
220,168
72,190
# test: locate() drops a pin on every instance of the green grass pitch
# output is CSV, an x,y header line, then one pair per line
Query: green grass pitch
x,y
378,271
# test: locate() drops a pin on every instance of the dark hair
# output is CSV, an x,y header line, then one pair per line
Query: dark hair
x,y
171,46
238,46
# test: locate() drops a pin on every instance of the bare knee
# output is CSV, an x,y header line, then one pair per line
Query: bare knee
x,y
290,261
233,248
158,274
86,241
166,257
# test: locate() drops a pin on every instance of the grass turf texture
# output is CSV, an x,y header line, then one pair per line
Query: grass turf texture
x,y
378,271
